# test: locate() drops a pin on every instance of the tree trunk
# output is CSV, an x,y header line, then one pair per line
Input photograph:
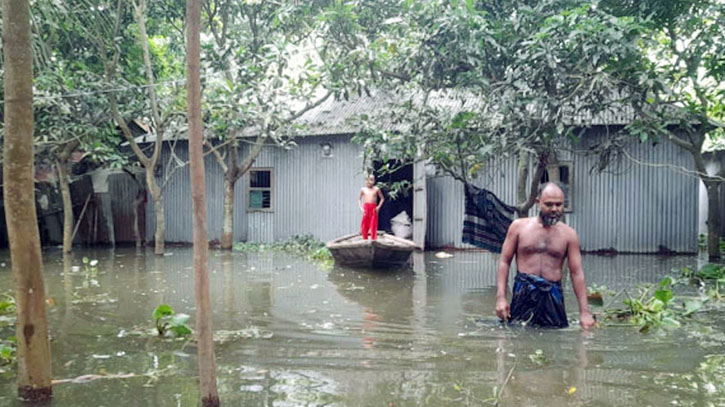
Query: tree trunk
x,y
552,168
713,220
67,206
207,365
34,375
526,200
521,196
228,221
158,199
136,205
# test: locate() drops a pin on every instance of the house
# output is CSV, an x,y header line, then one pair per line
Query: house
x,y
641,206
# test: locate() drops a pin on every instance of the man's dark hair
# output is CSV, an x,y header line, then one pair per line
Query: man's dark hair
x,y
543,186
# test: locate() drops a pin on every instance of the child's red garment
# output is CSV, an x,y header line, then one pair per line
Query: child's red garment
x,y
369,221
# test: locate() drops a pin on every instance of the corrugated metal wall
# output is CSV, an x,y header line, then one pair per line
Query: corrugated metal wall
x,y
312,194
123,189
177,200
635,208
318,194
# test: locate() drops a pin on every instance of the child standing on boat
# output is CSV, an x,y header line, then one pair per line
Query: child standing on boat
x,y
369,205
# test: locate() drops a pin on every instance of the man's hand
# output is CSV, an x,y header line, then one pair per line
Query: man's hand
x,y
503,310
586,320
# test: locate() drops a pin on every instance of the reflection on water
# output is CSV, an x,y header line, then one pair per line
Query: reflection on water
x,y
422,336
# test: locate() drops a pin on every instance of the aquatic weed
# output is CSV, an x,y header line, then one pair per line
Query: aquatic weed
x,y
8,351
648,309
7,304
306,246
169,323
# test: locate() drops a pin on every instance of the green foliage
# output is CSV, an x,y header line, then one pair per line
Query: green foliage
x,y
656,305
306,246
711,276
650,308
169,323
709,271
480,81
7,304
8,351
702,241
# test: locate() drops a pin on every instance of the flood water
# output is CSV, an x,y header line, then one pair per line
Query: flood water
x,y
299,335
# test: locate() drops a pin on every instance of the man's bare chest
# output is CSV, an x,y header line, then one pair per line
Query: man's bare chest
x,y
550,244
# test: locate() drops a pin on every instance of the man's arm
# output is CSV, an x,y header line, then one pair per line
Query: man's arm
x,y
382,199
503,310
359,200
578,281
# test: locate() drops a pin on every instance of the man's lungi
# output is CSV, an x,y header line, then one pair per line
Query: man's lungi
x,y
538,302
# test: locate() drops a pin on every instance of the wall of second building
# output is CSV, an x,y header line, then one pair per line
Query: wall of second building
x,y
634,207
317,194
177,198
311,194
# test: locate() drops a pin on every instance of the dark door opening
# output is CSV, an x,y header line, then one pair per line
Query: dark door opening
x,y
403,200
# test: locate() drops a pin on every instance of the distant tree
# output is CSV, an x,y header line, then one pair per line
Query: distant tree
x,y
486,79
680,92
266,77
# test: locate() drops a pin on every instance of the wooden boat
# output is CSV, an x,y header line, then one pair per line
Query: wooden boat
x,y
386,251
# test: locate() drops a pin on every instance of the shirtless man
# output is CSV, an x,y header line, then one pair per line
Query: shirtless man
x,y
541,244
369,205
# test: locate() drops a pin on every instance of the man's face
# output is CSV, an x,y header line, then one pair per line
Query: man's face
x,y
370,182
551,206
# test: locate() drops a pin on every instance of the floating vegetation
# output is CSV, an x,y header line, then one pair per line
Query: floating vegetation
x,y
649,308
539,358
169,323
8,351
708,272
102,298
7,304
250,332
655,305
306,246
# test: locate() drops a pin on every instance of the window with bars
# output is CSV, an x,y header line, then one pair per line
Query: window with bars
x,y
260,189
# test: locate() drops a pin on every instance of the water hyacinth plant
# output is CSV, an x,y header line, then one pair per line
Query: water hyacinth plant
x,y
306,246
7,304
648,309
7,351
171,324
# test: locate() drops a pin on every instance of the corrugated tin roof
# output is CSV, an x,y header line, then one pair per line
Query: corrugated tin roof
x,y
341,116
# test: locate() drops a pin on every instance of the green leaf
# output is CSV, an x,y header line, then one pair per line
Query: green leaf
x,y
664,295
181,330
162,311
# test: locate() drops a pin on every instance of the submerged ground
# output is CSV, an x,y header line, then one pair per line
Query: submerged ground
x,y
291,333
